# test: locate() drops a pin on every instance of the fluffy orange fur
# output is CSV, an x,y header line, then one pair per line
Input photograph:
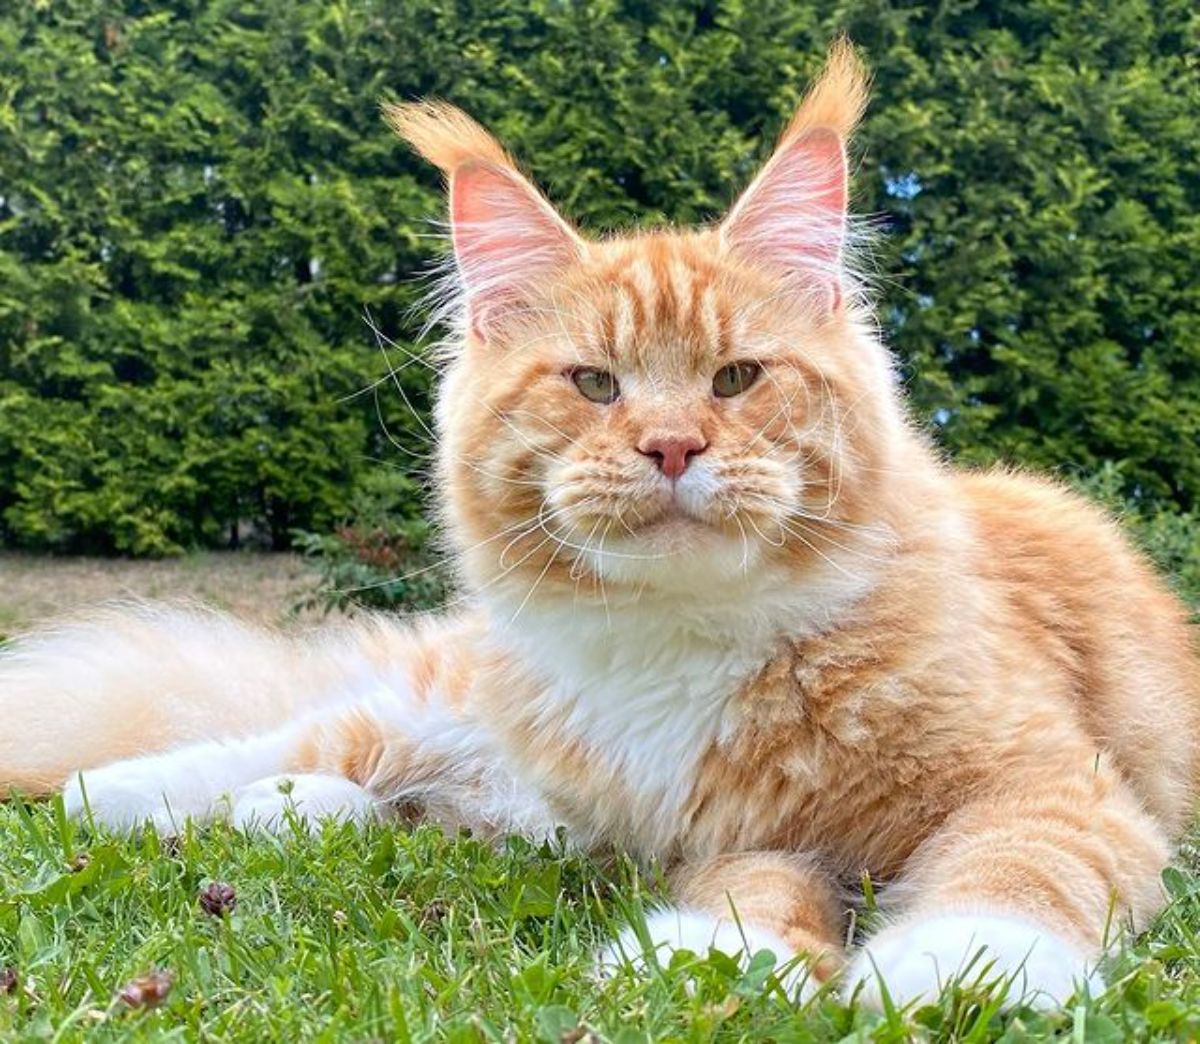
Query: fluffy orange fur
x,y
966,685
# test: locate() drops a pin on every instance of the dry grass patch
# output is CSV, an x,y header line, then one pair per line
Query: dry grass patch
x,y
257,586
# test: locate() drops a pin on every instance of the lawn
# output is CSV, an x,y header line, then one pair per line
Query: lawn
x,y
386,933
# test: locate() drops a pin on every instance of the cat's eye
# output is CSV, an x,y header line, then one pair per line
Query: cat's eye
x,y
596,385
735,378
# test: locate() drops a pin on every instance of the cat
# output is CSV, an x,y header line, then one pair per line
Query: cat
x,y
725,608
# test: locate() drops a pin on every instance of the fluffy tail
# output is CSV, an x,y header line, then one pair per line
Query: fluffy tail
x,y
147,679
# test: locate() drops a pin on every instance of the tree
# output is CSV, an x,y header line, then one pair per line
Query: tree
x,y
198,202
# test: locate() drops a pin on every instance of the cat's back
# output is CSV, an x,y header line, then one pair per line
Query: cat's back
x,y
1071,586
1053,547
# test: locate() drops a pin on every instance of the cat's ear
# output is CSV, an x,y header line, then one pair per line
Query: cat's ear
x,y
793,215
507,238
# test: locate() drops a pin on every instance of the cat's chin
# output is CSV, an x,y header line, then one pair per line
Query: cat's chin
x,y
675,551
674,530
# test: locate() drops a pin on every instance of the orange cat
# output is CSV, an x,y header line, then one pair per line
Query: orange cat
x,y
727,609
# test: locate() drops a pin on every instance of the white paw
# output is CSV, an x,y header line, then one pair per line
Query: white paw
x,y
915,959
681,929
128,793
190,782
265,803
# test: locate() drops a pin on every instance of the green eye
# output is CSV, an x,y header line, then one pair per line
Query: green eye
x,y
735,378
596,385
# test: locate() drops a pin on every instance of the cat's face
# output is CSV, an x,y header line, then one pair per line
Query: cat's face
x,y
665,410
662,413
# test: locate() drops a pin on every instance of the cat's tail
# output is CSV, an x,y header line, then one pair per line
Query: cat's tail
x,y
145,679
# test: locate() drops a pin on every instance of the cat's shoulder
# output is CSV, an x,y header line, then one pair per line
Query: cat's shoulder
x,y
1017,512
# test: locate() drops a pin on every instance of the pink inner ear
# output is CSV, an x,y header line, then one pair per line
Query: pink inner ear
x,y
793,216
506,239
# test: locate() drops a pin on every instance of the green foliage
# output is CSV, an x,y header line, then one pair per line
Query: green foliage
x,y
1042,219
382,933
198,201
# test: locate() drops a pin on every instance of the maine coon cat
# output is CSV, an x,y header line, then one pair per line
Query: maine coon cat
x,y
726,609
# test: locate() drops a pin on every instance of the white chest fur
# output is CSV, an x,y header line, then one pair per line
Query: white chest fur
x,y
645,691
647,682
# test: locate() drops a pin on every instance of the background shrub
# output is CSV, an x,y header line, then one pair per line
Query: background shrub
x,y
382,556
198,201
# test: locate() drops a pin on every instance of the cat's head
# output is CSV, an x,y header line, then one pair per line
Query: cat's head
x,y
665,410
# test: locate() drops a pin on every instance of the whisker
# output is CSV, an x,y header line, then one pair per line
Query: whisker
x,y
537,522
754,525
396,443
402,578
540,451
821,554
540,577
745,546
810,531
553,427
414,357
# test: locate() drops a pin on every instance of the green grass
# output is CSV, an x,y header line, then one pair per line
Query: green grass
x,y
389,934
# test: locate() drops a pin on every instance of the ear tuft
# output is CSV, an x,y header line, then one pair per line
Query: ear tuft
x,y
838,99
446,136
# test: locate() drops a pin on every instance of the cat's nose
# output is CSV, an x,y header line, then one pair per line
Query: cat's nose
x,y
672,453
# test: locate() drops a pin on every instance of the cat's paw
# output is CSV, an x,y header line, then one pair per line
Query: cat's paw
x,y
682,929
129,793
917,958
266,803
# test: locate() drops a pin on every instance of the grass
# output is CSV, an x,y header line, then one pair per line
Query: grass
x,y
386,933
256,586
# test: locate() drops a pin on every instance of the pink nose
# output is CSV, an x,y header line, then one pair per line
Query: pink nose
x,y
672,453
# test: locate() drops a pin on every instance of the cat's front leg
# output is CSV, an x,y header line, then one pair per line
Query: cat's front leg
x,y
1015,893
741,904
197,781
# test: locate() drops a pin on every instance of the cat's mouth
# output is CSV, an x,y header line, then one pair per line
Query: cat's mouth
x,y
672,544
663,520
668,534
